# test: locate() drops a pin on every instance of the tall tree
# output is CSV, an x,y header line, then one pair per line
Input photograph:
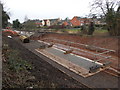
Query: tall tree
x,y
5,17
16,24
91,28
111,10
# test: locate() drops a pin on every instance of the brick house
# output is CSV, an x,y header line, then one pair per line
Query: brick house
x,y
78,21
75,21
67,23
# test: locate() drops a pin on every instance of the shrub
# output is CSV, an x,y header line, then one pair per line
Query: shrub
x,y
16,63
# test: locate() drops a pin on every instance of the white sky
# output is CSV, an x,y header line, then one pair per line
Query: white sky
x,y
46,9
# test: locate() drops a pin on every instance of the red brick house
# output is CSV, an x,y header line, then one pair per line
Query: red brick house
x,y
75,21
65,23
78,21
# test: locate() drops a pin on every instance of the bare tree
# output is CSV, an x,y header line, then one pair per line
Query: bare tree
x,y
5,16
103,6
111,10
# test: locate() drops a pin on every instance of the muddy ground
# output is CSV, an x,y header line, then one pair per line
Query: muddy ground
x,y
108,42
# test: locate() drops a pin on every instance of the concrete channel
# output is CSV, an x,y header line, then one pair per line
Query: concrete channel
x,y
99,80
70,57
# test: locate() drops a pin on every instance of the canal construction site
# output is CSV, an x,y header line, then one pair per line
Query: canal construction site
x,y
83,55
90,60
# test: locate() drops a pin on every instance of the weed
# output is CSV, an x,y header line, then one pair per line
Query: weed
x,y
16,63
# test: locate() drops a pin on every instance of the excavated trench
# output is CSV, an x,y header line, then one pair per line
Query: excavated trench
x,y
90,47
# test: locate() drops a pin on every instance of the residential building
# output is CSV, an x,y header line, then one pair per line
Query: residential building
x,y
84,21
40,23
75,21
46,22
55,21
98,21
78,21
67,23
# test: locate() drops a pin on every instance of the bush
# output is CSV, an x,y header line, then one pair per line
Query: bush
x,y
16,63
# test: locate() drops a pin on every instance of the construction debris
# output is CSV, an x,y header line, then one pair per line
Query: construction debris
x,y
68,51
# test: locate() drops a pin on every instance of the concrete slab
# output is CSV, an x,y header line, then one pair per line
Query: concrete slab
x,y
72,62
72,58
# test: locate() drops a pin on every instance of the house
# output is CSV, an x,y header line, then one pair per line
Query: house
x,y
78,21
84,21
40,23
60,23
55,21
46,22
75,21
98,21
67,23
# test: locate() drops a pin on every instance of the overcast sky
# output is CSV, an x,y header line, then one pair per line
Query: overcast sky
x,y
46,9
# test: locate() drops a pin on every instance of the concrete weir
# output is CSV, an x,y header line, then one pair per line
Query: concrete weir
x,y
77,64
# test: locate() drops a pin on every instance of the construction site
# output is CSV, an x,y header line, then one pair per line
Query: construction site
x,y
90,60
